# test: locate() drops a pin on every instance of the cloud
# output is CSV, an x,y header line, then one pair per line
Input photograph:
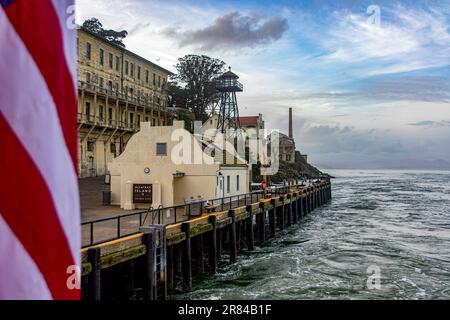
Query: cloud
x,y
232,31
431,124
403,42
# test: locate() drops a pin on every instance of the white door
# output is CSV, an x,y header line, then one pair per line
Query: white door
x,y
220,188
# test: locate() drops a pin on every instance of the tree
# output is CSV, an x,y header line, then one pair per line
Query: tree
x,y
95,26
194,85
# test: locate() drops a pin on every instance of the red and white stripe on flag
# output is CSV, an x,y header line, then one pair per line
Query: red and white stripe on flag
x,y
39,200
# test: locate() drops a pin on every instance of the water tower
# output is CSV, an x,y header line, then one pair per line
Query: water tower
x,y
228,84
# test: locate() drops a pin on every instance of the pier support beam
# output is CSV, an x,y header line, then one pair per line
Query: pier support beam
x,y
213,245
250,238
238,234
262,224
272,226
280,215
170,266
310,202
289,211
94,277
198,254
187,258
299,207
219,244
149,277
232,237
294,211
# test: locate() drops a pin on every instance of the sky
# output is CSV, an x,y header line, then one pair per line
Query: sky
x,y
368,81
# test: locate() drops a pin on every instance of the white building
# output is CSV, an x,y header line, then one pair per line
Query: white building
x,y
156,168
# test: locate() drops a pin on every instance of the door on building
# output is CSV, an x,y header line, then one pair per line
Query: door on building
x,y
92,171
220,187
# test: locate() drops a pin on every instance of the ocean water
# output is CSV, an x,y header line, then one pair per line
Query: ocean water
x,y
384,235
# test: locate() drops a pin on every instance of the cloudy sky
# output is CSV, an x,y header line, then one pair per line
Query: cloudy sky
x,y
369,81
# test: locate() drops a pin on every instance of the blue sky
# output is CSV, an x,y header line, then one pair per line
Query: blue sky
x,y
365,95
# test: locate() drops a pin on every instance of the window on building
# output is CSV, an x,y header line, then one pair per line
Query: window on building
x,y
131,70
111,61
139,72
102,57
113,148
88,111
126,92
159,81
154,79
110,115
100,113
117,63
126,67
88,77
90,146
88,50
131,119
117,87
228,184
101,82
237,183
161,149
110,86
146,76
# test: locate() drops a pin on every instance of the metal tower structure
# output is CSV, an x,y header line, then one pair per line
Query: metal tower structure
x,y
228,85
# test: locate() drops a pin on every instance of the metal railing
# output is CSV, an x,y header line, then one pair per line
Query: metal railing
x,y
108,229
130,97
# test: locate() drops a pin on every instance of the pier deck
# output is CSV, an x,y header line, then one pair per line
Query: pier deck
x,y
168,256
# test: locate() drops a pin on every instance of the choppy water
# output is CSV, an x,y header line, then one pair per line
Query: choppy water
x,y
396,221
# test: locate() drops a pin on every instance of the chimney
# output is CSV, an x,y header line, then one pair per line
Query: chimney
x,y
290,124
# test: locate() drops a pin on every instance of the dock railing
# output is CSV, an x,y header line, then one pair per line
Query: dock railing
x,y
102,230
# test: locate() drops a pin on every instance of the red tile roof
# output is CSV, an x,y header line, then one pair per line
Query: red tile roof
x,y
248,121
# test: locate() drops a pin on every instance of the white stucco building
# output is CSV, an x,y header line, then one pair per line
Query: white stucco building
x,y
173,168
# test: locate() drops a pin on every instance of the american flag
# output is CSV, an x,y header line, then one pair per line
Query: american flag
x,y
39,201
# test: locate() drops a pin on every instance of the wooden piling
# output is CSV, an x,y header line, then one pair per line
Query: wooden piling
x,y
238,235
170,267
305,204
299,207
198,254
149,276
294,211
280,216
232,237
262,224
219,244
289,211
250,238
213,245
272,226
186,257
94,277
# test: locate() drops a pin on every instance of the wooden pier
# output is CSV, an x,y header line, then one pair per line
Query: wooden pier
x,y
163,258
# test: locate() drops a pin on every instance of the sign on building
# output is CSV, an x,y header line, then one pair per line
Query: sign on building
x,y
142,193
